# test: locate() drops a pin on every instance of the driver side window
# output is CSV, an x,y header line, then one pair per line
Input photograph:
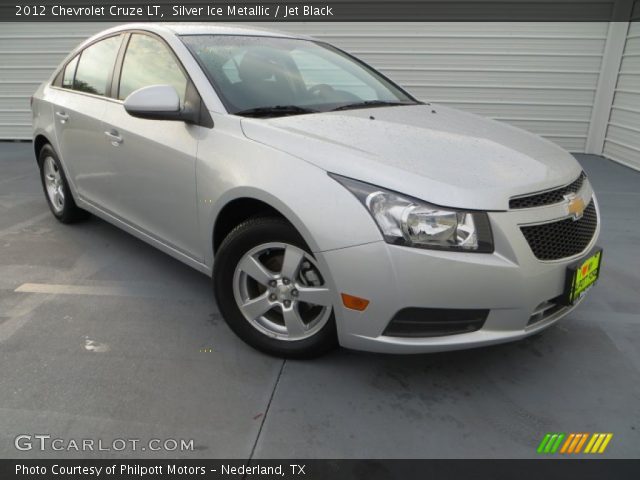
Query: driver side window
x,y
149,62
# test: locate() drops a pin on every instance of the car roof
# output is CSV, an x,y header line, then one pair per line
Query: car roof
x,y
224,29
192,28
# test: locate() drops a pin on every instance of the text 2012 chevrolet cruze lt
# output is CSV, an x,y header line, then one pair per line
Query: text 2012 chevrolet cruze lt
x,y
327,203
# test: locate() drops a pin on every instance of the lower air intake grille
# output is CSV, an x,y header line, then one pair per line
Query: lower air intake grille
x,y
546,310
435,322
556,240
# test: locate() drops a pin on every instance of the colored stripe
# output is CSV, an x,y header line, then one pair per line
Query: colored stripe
x,y
547,449
591,442
554,449
543,442
605,443
599,440
567,443
574,443
582,440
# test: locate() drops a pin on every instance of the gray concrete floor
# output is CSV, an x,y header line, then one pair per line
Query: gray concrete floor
x,y
128,364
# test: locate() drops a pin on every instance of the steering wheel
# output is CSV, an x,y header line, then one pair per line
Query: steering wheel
x,y
321,90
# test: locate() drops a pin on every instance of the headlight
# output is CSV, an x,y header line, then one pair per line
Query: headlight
x,y
407,221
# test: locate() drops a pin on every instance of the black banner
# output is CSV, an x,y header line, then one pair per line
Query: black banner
x,y
318,11
543,469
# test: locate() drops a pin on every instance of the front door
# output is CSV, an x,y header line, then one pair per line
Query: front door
x,y
154,160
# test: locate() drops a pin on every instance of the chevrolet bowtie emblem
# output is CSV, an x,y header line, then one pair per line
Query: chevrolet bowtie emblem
x,y
575,206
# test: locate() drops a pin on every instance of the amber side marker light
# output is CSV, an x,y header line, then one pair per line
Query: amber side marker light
x,y
354,303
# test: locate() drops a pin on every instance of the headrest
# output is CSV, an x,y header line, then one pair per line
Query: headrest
x,y
255,67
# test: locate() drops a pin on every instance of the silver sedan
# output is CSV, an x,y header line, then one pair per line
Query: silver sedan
x,y
328,204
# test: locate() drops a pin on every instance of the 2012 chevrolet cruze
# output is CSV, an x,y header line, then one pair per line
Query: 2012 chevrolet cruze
x,y
328,204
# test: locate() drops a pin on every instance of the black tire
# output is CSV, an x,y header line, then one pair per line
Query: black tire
x,y
247,235
70,212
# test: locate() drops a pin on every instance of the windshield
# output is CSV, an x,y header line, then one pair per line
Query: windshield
x,y
257,75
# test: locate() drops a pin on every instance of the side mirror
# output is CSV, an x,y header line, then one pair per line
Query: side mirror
x,y
157,102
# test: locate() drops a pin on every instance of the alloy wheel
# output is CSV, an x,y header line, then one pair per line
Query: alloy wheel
x,y
53,184
280,291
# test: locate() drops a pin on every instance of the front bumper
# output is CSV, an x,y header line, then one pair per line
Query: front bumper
x,y
511,283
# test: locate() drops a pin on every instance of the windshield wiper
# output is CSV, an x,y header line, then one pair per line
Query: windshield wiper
x,y
371,103
275,110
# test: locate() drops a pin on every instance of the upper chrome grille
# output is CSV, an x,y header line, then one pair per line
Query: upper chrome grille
x,y
564,238
547,198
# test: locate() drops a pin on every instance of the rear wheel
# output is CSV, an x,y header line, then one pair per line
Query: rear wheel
x,y
270,290
56,189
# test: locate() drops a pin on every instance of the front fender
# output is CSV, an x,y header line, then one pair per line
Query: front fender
x,y
231,167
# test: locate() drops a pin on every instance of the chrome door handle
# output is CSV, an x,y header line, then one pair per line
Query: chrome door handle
x,y
114,137
62,116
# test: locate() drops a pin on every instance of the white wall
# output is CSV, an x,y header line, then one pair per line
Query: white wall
x,y
622,140
29,52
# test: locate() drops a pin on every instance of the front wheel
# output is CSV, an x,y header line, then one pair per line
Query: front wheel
x,y
270,290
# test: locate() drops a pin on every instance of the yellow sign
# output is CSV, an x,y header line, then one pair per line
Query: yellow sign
x,y
586,275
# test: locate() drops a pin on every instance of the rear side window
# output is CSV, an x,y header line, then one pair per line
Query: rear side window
x,y
149,62
69,72
95,66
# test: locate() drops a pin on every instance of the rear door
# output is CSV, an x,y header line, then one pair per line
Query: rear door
x,y
79,106
154,160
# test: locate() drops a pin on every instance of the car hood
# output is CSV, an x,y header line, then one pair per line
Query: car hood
x,y
441,155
